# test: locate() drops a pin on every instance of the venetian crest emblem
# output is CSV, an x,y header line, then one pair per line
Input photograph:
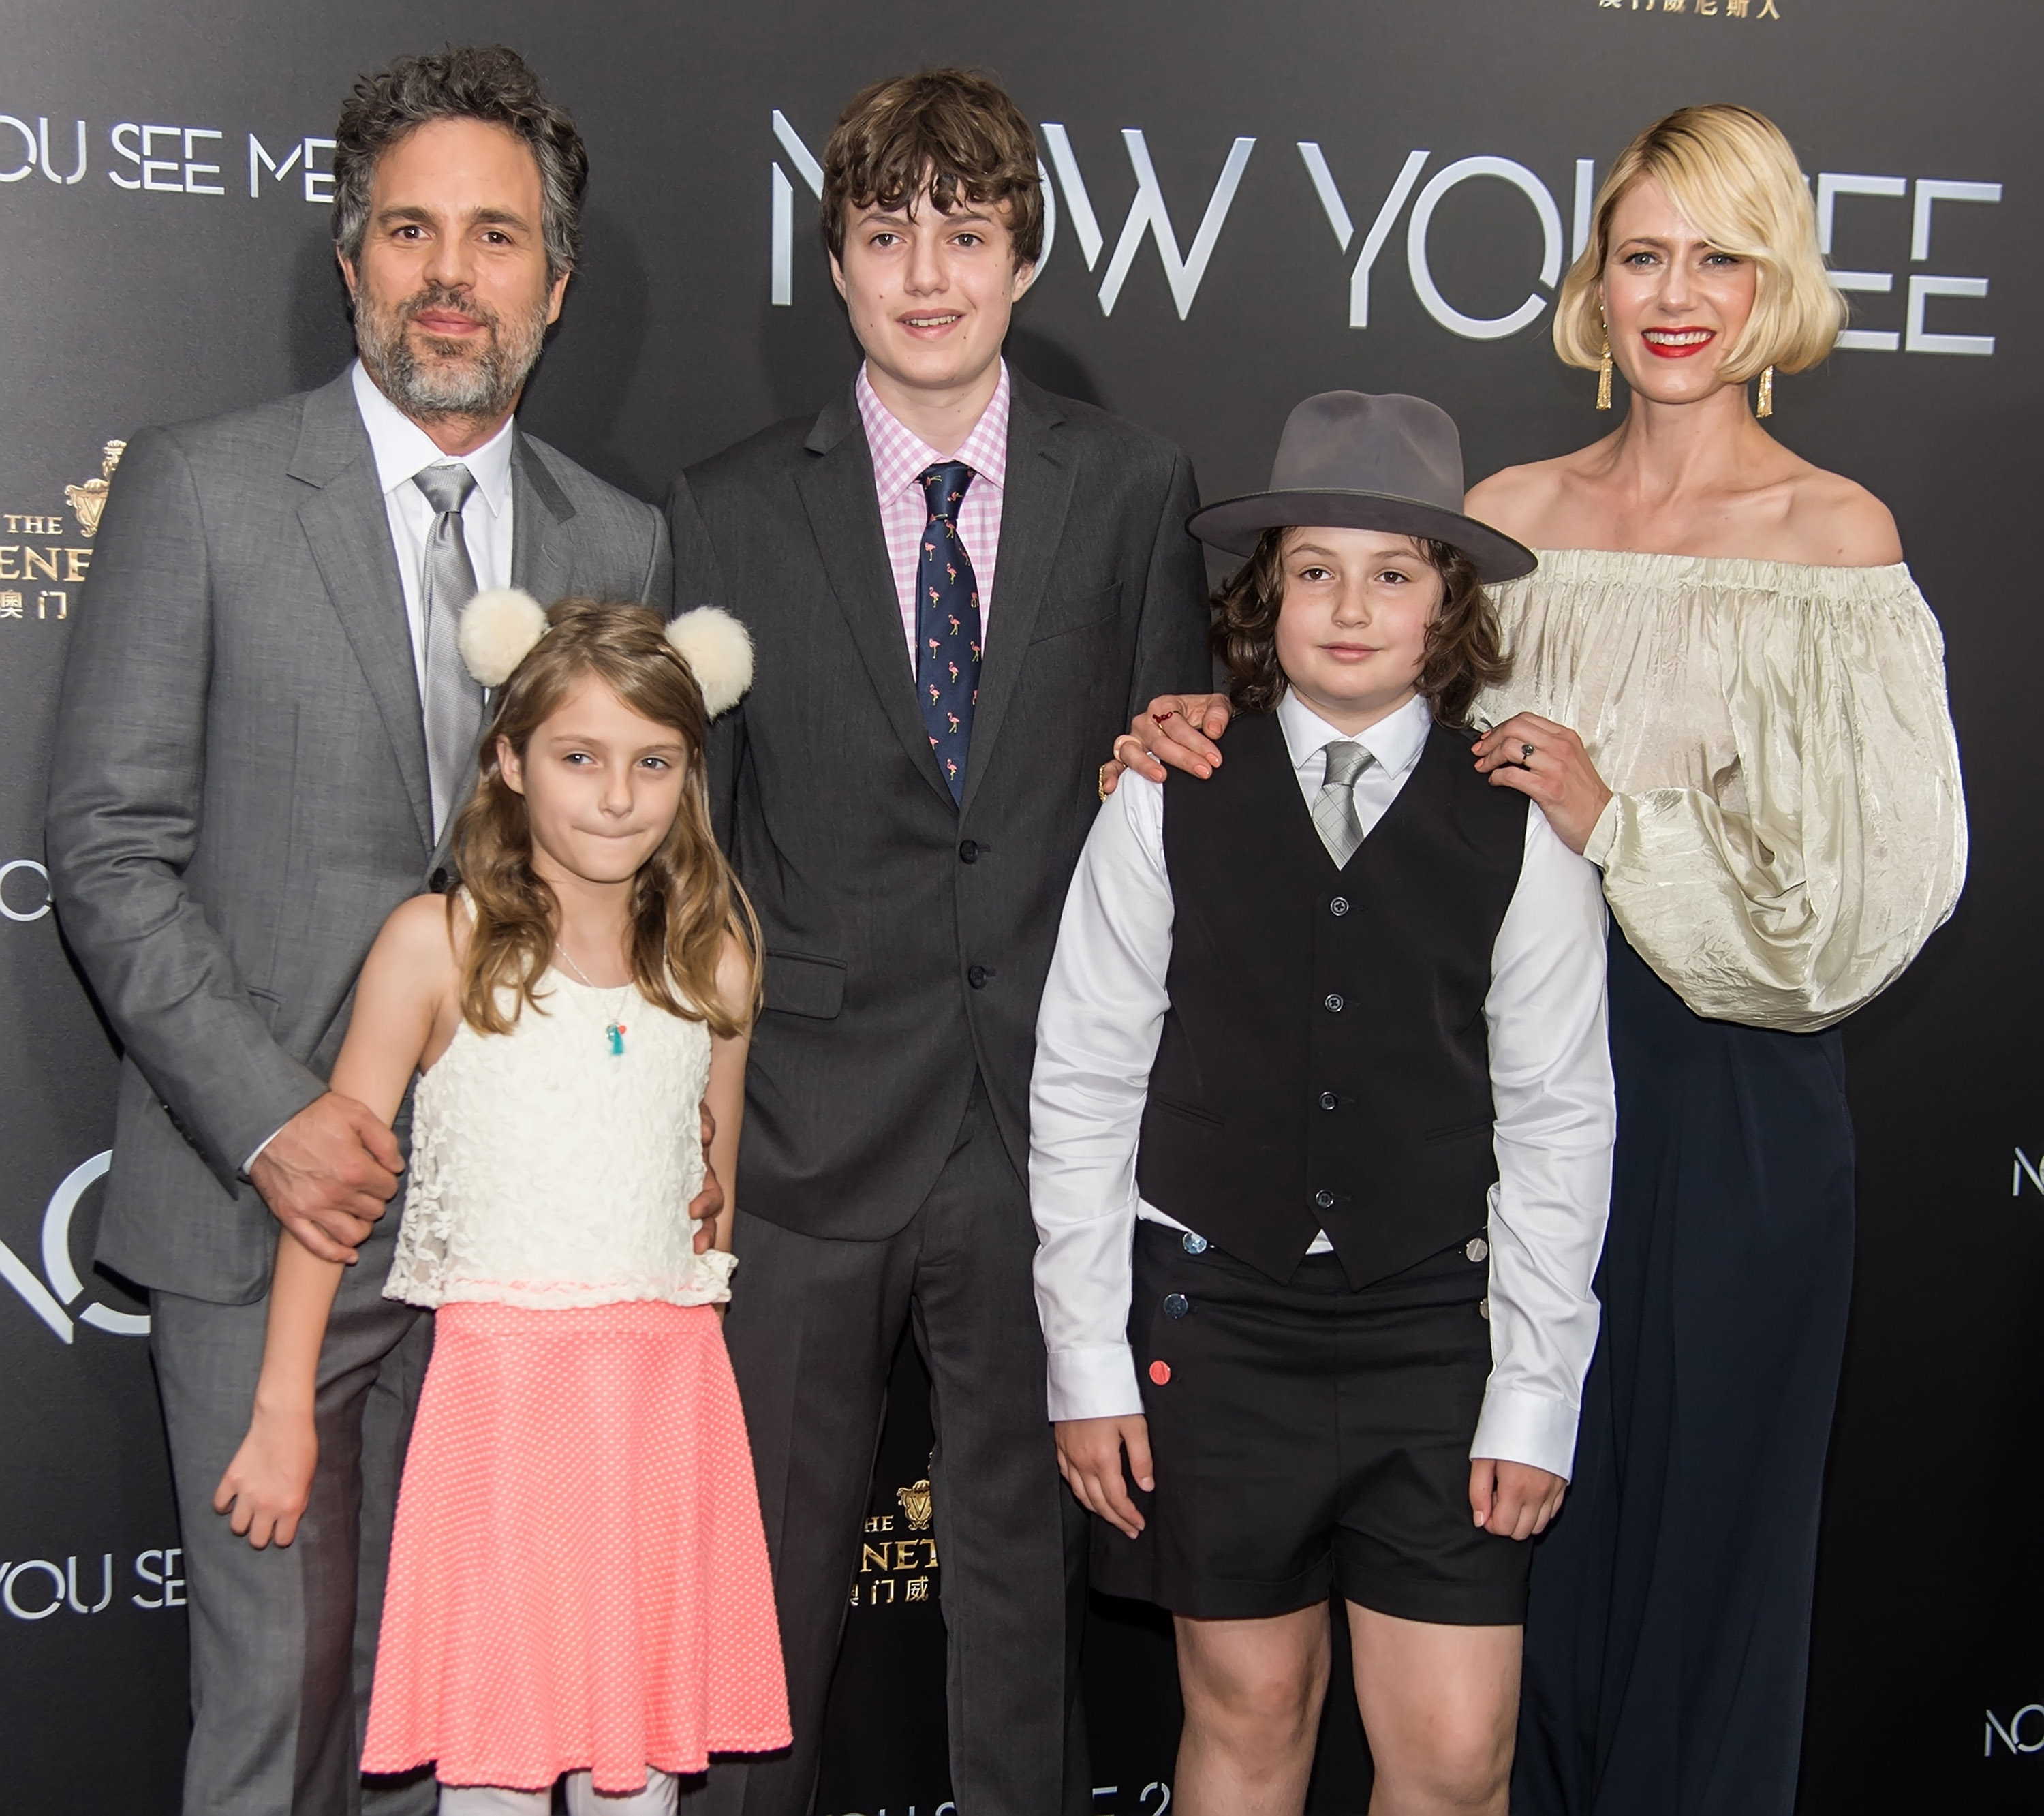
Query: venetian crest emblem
x,y
89,500
915,1501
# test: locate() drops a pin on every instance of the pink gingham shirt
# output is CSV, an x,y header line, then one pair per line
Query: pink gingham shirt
x,y
899,456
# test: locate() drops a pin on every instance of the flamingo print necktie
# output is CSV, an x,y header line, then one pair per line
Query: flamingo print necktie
x,y
947,629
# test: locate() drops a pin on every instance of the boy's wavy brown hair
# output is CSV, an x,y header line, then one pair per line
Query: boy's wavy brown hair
x,y
951,133
684,899
1463,656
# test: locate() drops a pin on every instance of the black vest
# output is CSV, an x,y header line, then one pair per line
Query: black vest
x,y
1325,1063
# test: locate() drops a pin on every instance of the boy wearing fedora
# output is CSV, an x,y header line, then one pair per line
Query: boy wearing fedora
x,y
1321,1124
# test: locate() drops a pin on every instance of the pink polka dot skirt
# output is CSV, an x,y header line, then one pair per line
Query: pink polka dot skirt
x,y
578,1580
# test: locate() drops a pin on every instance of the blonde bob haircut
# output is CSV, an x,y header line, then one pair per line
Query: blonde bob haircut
x,y
1735,177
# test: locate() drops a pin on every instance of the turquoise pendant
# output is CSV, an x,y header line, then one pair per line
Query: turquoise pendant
x,y
616,1031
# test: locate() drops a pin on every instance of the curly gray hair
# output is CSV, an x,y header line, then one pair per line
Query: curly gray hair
x,y
489,82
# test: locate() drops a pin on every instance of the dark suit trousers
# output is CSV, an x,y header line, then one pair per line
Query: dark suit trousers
x,y
282,1640
812,1329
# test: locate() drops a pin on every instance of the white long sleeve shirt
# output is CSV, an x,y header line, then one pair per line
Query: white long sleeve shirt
x,y
1096,1034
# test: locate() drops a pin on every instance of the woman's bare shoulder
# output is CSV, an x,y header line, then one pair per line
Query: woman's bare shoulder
x,y
1837,522
1518,500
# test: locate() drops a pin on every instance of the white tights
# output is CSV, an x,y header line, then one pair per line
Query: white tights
x,y
584,1800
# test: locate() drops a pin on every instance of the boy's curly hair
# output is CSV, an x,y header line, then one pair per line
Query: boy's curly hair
x,y
1463,653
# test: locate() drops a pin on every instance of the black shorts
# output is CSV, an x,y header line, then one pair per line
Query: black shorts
x,y
1309,1438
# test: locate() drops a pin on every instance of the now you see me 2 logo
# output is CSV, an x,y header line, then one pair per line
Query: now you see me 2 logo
x,y
59,1288
35,1588
1346,199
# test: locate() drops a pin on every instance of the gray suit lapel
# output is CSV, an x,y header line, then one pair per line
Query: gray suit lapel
x,y
345,522
1038,494
836,489
541,561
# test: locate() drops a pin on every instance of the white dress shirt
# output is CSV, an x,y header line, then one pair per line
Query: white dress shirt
x,y
1096,1034
900,457
402,451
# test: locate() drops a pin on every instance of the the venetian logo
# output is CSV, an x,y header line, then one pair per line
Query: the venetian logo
x,y
891,1568
43,553
915,1501
88,498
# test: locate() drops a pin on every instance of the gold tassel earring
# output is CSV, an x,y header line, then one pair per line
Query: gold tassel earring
x,y
1604,377
1765,407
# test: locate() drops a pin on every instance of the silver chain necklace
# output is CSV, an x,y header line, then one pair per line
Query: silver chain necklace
x,y
614,1030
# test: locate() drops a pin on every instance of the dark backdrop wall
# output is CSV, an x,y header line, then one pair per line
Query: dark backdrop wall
x,y
1252,203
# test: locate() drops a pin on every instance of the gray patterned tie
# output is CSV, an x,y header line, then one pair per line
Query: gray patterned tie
x,y
1334,807
453,700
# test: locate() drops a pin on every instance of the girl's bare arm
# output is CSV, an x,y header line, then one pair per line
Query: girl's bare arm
x,y
404,1011
725,1095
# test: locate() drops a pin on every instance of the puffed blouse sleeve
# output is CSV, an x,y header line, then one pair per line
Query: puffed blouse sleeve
x,y
1799,883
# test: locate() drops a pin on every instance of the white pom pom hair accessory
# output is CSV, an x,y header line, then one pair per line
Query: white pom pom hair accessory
x,y
498,628
718,650
502,625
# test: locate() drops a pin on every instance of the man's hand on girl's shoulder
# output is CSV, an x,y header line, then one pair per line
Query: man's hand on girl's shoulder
x,y
1176,728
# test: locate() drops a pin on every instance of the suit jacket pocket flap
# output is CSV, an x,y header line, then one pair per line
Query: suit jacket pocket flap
x,y
802,984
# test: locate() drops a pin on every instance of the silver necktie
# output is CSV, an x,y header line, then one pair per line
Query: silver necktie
x,y
1334,807
453,700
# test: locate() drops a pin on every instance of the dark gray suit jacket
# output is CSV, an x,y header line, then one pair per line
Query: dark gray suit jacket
x,y
238,794
907,938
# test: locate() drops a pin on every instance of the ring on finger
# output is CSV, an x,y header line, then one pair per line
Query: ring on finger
x,y
1526,752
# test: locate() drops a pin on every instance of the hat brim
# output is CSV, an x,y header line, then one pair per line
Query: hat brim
x,y
1234,525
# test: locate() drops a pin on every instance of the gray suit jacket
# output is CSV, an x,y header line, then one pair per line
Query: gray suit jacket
x,y
238,794
907,938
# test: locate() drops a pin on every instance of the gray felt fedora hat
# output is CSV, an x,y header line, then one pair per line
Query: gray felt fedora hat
x,y
1353,461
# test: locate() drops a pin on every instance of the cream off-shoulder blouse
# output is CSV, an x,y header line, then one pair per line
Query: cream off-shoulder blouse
x,y
1788,826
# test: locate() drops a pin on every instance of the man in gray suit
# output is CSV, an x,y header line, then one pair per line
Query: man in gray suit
x,y
959,587
264,732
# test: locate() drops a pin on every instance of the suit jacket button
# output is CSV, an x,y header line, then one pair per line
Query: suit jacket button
x,y
437,883
1477,1250
1176,1305
1329,1101
1192,1244
1339,906
1324,1199
968,851
977,976
1333,1003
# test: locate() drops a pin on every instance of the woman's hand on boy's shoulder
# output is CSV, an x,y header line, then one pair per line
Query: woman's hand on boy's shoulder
x,y
1175,728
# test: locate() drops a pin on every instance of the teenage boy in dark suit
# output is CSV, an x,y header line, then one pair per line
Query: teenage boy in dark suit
x,y
960,587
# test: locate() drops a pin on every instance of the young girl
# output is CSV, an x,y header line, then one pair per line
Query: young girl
x,y
1320,1147
578,1581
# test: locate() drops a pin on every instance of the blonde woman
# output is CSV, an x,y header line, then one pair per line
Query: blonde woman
x,y
1728,693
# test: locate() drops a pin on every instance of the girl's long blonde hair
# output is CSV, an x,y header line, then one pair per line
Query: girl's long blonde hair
x,y
684,900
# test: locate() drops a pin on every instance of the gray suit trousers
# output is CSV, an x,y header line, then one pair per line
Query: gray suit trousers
x,y
812,1328
283,1640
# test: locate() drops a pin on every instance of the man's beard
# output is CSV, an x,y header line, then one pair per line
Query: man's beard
x,y
482,383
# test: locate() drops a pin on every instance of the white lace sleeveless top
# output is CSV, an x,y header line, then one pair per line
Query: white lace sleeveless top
x,y
548,1171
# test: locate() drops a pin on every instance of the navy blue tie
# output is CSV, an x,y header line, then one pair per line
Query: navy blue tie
x,y
947,634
